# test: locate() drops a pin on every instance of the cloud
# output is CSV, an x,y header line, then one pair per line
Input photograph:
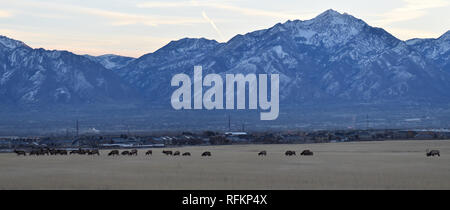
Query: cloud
x,y
5,14
210,4
412,9
120,18
59,10
213,25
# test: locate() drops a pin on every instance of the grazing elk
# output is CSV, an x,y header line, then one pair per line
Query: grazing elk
x,y
167,152
52,152
262,153
82,151
36,152
187,154
20,152
177,153
149,152
45,151
93,152
207,153
433,153
307,152
62,152
133,152
74,152
113,152
289,153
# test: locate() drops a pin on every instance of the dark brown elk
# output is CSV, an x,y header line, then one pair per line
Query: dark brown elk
x,y
113,152
36,152
307,152
187,154
53,152
82,151
93,152
45,151
149,152
20,152
177,153
206,153
62,152
167,152
262,153
134,152
289,153
433,153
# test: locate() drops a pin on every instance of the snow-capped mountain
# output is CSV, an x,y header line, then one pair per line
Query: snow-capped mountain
x,y
333,57
44,78
111,61
437,50
151,73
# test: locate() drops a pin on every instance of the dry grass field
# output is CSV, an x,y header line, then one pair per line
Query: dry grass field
x,y
354,165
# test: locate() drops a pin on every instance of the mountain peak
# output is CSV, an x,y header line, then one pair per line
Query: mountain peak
x,y
11,43
332,17
191,43
329,12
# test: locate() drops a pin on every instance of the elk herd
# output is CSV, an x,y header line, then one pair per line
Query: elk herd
x,y
134,152
150,152
47,151
304,153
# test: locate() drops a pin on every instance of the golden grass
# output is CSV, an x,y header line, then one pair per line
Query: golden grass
x,y
355,165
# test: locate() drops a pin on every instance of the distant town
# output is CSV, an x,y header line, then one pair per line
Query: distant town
x,y
176,139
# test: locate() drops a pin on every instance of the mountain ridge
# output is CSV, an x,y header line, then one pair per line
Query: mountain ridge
x,y
332,58
299,50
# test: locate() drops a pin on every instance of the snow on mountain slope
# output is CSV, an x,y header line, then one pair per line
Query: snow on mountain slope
x,y
41,77
438,50
333,58
111,61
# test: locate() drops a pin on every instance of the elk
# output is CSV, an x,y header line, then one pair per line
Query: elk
x,y
74,152
207,153
262,153
187,154
307,152
20,152
113,152
149,152
167,152
133,152
289,153
433,153
94,152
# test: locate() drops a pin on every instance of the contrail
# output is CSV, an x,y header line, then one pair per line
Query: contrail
x,y
213,25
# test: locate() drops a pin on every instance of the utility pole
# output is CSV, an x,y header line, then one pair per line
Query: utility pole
x,y
229,123
78,129
367,122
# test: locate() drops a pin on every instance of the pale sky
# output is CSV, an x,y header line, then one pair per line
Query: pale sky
x,y
133,28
